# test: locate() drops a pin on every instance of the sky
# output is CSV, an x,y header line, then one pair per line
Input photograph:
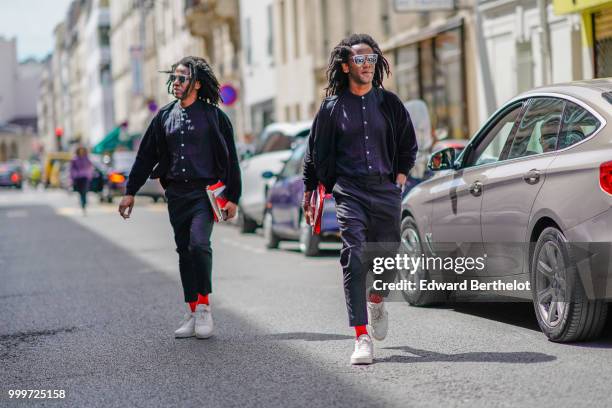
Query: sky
x,y
32,23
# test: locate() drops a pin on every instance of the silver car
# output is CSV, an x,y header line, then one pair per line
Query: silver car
x,y
530,190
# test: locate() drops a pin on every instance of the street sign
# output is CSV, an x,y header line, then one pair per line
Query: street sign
x,y
229,95
410,6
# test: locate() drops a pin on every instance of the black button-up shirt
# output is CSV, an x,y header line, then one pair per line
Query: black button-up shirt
x,y
189,144
361,146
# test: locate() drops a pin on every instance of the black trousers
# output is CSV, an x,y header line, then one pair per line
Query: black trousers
x,y
81,186
192,220
368,211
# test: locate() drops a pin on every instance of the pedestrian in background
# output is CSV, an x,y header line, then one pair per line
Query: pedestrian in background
x,y
189,145
81,173
361,147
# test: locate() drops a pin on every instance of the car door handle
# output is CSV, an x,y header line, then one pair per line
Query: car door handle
x,y
476,189
532,176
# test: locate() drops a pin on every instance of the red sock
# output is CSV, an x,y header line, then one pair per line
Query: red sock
x,y
359,330
374,298
202,300
192,306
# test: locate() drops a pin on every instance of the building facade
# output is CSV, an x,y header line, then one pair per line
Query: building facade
x,y
595,33
173,42
134,62
97,78
19,93
259,64
217,22
527,45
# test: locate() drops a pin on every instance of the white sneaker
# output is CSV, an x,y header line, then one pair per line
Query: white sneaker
x,y
364,350
203,322
378,320
187,328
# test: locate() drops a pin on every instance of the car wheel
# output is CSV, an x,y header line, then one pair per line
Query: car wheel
x,y
309,242
562,308
247,225
270,237
411,245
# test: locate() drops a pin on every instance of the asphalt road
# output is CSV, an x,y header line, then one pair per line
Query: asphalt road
x,y
89,304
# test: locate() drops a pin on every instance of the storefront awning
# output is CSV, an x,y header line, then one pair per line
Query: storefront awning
x,y
576,6
114,139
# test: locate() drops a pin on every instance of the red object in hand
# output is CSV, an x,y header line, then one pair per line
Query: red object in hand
x,y
217,200
317,201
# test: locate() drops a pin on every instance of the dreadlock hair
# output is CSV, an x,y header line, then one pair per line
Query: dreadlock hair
x,y
337,80
199,70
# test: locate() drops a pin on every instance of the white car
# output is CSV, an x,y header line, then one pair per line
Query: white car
x,y
273,149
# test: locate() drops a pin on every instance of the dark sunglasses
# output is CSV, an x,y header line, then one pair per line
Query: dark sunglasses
x,y
362,58
181,78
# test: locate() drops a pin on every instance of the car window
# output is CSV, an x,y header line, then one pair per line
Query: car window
x,y
492,145
538,129
293,167
275,141
578,124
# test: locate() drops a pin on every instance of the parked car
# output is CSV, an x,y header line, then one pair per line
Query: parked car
x,y
11,174
283,218
116,179
537,174
273,149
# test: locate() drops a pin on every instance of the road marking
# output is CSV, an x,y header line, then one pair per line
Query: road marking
x,y
17,214
76,211
245,247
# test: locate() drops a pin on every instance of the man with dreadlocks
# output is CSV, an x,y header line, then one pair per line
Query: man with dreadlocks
x,y
361,148
189,145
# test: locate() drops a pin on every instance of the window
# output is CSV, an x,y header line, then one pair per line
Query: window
x,y
325,27
296,30
283,36
293,167
247,40
433,70
537,133
273,142
490,149
578,124
524,66
270,31
104,36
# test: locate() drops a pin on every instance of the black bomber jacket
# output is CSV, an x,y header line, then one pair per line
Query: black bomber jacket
x,y
153,158
320,157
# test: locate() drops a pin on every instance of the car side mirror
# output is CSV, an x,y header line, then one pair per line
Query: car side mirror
x,y
267,174
442,160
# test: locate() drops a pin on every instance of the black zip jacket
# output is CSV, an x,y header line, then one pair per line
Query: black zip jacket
x,y
153,158
320,157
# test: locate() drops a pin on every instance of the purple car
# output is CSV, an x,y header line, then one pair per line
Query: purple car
x,y
283,219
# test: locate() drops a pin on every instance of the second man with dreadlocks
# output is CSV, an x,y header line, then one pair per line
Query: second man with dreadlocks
x,y
189,145
361,147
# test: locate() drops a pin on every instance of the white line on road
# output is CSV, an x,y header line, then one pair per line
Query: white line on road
x,y
243,246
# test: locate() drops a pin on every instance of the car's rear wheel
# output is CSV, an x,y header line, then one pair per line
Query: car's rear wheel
x,y
411,245
562,308
309,242
247,225
270,237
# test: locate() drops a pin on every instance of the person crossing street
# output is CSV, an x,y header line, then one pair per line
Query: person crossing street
x,y
361,147
189,145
